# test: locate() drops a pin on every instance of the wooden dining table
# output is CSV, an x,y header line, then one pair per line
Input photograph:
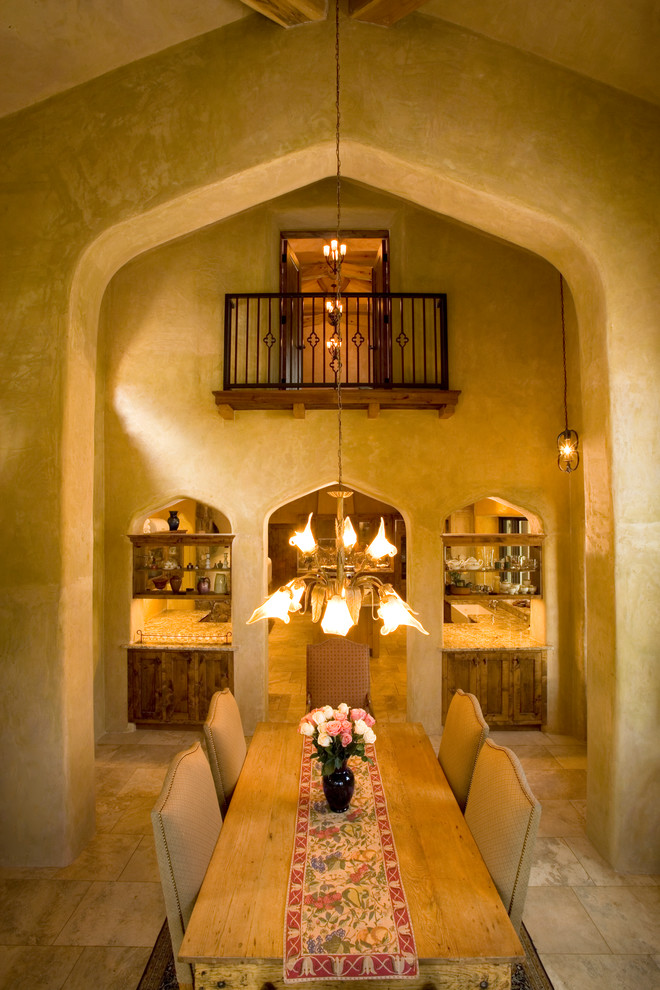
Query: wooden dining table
x,y
463,934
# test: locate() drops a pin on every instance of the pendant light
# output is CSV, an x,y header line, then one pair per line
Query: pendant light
x,y
568,455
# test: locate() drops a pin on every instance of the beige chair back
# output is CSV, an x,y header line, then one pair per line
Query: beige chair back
x,y
338,671
463,736
225,742
186,822
503,816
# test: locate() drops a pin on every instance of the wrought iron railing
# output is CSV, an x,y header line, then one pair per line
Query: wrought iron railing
x,y
280,341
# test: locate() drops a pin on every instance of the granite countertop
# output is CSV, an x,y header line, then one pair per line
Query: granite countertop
x,y
179,630
488,635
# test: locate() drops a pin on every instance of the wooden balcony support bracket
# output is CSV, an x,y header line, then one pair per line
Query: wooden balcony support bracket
x,y
383,12
373,400
289,13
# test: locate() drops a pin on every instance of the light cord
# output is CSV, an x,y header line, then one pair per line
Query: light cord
x,y
563,344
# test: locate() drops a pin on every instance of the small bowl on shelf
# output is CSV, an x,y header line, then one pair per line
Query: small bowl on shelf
x,y
159,583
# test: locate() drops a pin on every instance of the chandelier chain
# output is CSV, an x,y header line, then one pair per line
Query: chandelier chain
x,y
339,259
563,344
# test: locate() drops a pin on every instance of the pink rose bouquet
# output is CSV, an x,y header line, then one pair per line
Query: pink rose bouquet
x,y
337,734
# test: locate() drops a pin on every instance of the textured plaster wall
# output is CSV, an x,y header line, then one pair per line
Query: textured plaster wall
x,y
458,124
163,351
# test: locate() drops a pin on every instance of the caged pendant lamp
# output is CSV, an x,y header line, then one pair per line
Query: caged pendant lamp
x,y
568,455
336,581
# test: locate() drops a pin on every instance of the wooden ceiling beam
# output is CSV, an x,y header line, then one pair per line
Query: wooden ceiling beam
x,y
383,12
289,13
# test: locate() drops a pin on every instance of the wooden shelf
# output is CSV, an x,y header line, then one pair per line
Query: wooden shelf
x,y
174,538
482,594
493,539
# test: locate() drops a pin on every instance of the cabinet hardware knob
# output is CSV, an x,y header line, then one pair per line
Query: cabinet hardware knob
x,y
483,984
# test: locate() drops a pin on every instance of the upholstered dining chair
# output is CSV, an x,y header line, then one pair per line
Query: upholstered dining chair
x,y
463,735
225,742
186,821
503,816
338,670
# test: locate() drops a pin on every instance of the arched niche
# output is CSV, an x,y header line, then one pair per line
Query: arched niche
x,y
287,643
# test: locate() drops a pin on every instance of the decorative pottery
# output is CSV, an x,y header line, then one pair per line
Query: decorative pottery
x,y
175,583
220,584
338,788
203,586
160,583
173,521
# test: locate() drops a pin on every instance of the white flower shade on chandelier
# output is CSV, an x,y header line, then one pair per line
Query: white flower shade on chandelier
x,y
305,541
336,618
349,536
394,612
381,546
280,603
275,607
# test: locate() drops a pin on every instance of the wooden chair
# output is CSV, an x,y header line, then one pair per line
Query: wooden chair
x,y
186,821
337,671
503,816
225,742
463,736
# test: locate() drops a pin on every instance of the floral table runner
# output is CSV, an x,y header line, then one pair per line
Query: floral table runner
x,y
346,914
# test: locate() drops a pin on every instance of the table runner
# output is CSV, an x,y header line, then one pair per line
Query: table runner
x,y
346,911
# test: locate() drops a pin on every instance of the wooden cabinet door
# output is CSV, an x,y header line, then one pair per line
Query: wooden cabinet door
x,y
215,671
145,695
527,688
460,670
494,687
178,685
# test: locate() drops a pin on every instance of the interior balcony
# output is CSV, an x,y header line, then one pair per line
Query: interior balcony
x,y
282,351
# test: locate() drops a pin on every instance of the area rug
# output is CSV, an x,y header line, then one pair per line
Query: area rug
x,y
159,973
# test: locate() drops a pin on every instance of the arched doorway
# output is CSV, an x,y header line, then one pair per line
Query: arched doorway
x,y
287,642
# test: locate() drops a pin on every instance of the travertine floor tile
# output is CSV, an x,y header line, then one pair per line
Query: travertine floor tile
x,y
535,758
600,872
34,911
562,740
145,782
103,858
116,914
131,736
557,922
626,921
555,864
137,819
104,968
570,757
555,785
110,778
39,967
561,818
147,754
142,867
606,972
513,738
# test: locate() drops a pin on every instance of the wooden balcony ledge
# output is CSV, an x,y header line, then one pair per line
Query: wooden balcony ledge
x,y
371,399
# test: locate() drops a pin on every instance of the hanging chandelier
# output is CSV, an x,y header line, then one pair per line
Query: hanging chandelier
x,y
337,581
568,456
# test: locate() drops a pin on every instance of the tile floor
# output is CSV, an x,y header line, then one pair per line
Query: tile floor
x,y
92,924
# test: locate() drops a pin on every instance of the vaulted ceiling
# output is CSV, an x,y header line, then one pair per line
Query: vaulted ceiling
x,y
48,46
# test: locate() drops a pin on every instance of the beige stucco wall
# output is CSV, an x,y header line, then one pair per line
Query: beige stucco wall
x,y
163,357
456,123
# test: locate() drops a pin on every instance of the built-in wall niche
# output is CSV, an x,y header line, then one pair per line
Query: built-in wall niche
x,y
493,559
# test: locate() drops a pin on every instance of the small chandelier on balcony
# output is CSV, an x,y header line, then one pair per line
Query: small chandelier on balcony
x,y
568,456
336,581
